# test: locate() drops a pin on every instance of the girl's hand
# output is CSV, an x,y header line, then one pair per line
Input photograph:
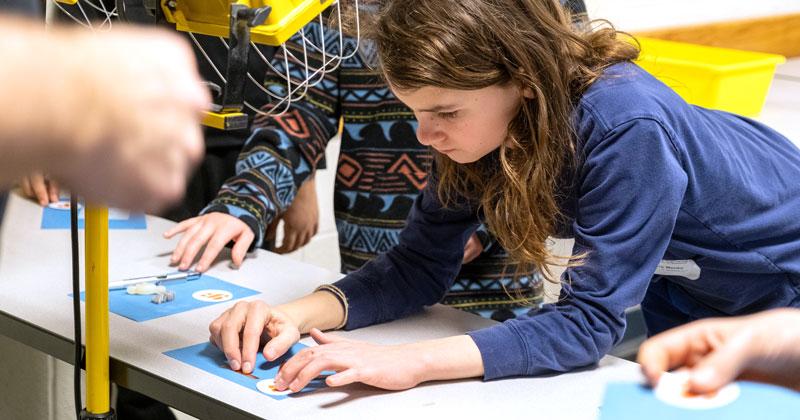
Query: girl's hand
x,y
763,347
214,231
241,331
42,189
389,367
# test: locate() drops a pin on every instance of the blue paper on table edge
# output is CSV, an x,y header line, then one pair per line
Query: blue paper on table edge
x,y
209,358
59,219
139,308
631,400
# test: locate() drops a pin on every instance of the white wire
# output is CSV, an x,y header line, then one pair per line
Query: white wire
x,y
102,9
84,16
260,54
78,21
105,11
339,59
313,75
222,78
202,51
249,76
305,65
86,22
284,99
294,90
335,62
322,70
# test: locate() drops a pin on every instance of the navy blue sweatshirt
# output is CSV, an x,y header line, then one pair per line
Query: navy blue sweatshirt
x,y
658,179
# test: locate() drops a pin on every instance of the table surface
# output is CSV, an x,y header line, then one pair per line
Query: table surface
x,y
782,106
35,309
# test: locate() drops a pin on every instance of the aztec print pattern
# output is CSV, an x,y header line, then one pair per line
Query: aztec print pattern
x,y
380,171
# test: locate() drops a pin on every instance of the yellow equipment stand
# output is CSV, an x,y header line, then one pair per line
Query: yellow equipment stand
x,y
213,17
98,405
269,22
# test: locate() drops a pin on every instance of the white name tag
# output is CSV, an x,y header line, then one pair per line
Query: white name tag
x,y
681,268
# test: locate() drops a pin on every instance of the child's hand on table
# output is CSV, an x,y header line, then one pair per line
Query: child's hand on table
x,y
214,231
247,326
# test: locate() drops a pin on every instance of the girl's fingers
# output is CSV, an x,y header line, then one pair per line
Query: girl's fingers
x,y
344,377
289,371
215,329
311,371
231,328
257,316
323,338
280,343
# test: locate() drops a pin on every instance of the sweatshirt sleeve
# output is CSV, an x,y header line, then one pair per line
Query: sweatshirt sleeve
x,y
630,189
415,273
283,150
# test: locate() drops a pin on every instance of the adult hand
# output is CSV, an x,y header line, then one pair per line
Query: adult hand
x,y
763,347
127,107
212,231
247,326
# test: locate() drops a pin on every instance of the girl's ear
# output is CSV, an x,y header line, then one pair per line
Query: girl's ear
x,y
527,93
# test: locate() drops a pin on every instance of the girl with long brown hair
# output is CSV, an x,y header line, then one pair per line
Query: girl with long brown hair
x,y
541,129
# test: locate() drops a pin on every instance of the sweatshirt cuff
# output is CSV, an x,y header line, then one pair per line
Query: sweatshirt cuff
x,y
502,350
484,237
340,296
362,302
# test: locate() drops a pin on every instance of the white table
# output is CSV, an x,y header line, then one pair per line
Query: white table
x,y
35,280
782,106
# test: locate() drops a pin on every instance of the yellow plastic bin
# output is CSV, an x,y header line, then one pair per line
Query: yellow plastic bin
x,y
719,78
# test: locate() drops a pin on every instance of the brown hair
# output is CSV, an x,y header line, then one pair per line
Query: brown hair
x,y
473,44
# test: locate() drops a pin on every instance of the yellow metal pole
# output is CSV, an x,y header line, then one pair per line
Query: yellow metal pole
x,y
97,379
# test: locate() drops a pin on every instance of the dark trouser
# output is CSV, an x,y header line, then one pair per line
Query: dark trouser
x,y
659,310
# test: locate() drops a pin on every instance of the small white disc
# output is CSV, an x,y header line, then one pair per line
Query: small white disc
x,y
267,386
212,295
60,205
673,389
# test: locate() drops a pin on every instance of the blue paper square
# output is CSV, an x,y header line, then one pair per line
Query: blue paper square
x,y
139,308
633,401
209,358
117,219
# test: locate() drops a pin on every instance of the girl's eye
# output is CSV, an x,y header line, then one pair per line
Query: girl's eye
x,y
448,115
